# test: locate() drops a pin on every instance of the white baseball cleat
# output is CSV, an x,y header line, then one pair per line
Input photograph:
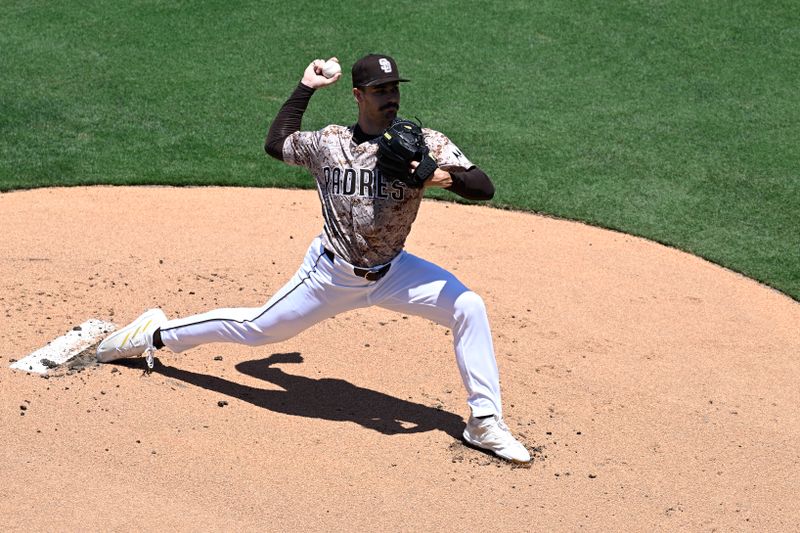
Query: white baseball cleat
x,y
493,434
134,339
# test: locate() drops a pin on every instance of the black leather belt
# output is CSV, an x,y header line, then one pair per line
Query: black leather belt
x,y
367,274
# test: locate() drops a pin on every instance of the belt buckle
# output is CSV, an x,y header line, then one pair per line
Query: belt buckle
x,y
372,275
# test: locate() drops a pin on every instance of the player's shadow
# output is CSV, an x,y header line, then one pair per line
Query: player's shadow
x,y
326,398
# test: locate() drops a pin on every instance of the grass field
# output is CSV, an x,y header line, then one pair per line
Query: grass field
x,y
673,120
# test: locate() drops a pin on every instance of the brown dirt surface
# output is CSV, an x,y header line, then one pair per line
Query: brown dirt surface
x,y
657,391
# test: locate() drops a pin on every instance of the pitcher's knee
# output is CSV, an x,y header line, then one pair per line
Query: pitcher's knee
x,y
469,304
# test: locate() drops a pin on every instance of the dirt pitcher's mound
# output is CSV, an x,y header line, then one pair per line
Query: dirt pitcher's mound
x,y
656,391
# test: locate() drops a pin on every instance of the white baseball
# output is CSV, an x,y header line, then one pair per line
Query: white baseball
x,y
331,68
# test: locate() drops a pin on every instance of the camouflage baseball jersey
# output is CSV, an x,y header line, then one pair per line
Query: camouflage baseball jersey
x,y
367,217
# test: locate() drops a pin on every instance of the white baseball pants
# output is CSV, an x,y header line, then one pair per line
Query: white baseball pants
x,y
321,289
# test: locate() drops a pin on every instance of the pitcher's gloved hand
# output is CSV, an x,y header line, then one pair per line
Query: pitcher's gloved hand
x,y
401,143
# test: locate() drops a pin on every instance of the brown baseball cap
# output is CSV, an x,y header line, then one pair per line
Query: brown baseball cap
x,y
375,69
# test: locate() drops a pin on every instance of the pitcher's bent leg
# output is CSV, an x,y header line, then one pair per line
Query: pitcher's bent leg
x,y
422,288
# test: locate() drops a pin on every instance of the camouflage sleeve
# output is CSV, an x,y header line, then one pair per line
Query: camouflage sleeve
x,y
446,154
469,181
301,147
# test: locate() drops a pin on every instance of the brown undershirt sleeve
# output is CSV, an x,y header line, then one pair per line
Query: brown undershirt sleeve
x,y
472,184
288,120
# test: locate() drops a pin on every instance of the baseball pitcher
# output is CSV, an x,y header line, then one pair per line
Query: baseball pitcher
x,y
371,177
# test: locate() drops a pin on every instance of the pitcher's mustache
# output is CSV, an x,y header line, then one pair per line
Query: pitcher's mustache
x,y
390,105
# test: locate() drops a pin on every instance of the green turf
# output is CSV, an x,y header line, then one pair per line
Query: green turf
x,y
674,120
